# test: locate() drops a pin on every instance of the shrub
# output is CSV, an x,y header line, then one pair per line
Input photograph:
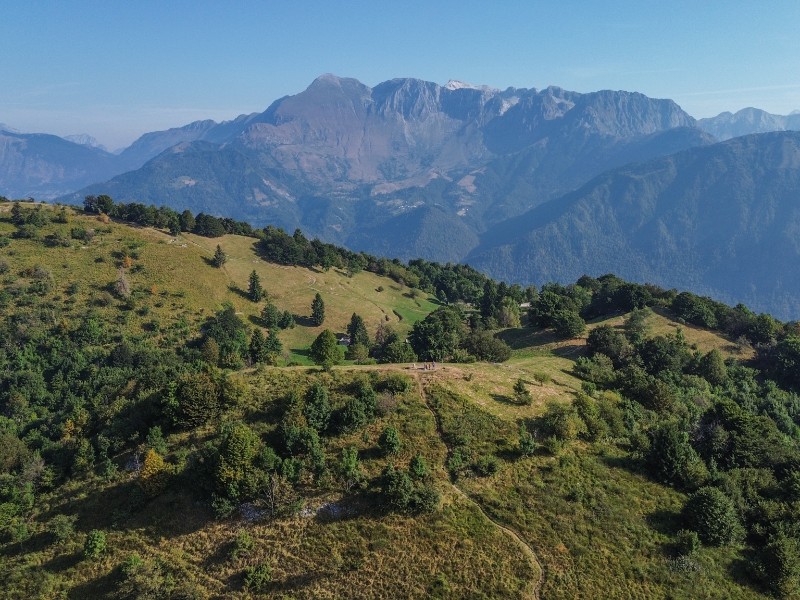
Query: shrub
x,y
243,544
418,468
95,544
562,421
389,442
257,579
687,542
62,527
713,516
521,393
486,465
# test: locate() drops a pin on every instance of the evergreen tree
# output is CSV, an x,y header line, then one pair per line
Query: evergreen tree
x,y
286,320
527,443
17,216
273,344
220,258
317,408
389,442
270,316
258,347
521,393
358,331
254,291
186,221
325,350
318,310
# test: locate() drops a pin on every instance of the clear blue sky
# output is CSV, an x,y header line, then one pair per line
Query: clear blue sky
x,y
116,69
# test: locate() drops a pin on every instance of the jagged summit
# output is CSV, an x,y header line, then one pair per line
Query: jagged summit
x,y
455,84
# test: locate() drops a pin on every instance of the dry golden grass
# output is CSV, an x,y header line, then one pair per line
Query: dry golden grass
x,y
173,281
293,289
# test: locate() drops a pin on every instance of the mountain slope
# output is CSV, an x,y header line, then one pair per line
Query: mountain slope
x,y
720,220
45,166
344,161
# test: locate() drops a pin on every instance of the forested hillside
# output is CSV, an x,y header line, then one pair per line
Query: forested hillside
x,y
721,220
179,420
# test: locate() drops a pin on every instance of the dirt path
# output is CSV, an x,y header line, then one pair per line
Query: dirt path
x,y
524,545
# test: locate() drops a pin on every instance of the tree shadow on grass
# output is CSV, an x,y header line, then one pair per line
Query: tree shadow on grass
x,y
741,570
668,522
35,543
238,291
570,351
295,583
527,337
63,562
255,320
104,586
303,321
503,399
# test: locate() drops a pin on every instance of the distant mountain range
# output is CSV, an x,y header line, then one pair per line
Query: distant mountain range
x,y
748,120
349,163
509,180
723,220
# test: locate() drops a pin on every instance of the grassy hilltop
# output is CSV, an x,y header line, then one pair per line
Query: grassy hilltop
x,y
459,507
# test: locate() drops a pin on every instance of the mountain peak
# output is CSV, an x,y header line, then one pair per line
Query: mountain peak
x,y
455,84
84,139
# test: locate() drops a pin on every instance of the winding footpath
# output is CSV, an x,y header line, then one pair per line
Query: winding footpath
x,y
526,548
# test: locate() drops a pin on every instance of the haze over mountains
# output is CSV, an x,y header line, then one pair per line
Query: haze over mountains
x,y
529,185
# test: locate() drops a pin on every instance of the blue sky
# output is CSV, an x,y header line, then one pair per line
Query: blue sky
x,y
117,69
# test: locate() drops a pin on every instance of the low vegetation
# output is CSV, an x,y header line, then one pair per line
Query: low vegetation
x,y
164,435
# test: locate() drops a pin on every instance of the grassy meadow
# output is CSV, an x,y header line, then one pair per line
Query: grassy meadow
x,y
598,526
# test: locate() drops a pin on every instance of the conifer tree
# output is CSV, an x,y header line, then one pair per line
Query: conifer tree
x,y
255,291
220,258
318,310
317,408
325,350
258,347
358,331
270,316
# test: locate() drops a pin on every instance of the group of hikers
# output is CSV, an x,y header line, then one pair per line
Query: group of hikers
x,y
427,366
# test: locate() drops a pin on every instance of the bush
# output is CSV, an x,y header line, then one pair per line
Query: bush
x,y
257,579
486,465
687,542
389,442
243,544
395,383
62,527
95,544
713,516
562,421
